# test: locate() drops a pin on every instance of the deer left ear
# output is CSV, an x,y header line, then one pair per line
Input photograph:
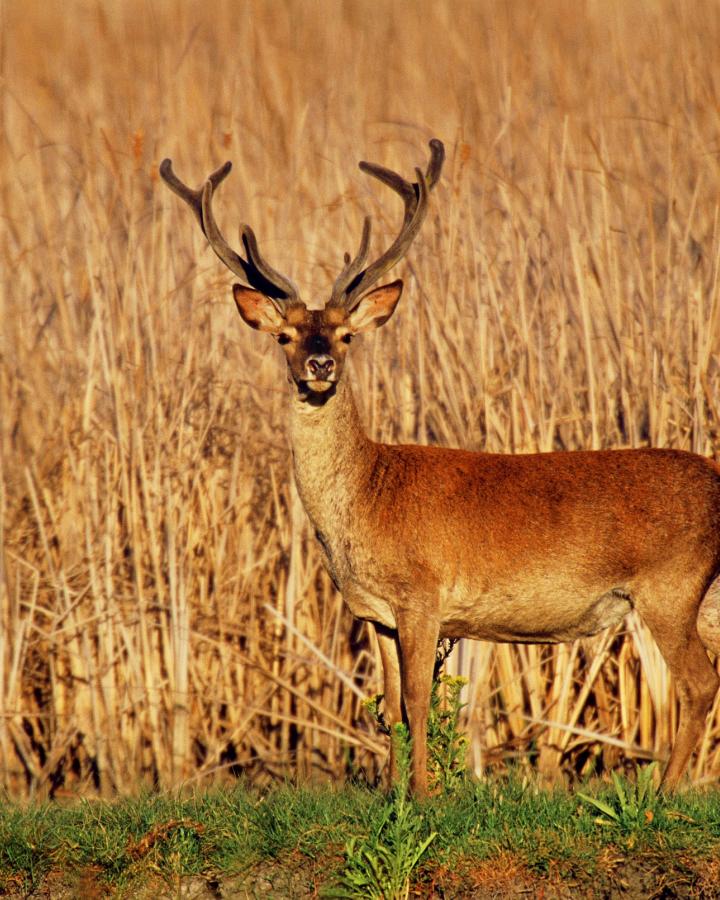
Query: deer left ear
x,y
376,307
257,310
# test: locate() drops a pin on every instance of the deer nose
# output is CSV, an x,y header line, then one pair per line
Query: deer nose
x,y
320,366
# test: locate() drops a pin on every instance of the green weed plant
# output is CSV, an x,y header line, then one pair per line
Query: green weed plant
x,y
380,866
633,807
447,744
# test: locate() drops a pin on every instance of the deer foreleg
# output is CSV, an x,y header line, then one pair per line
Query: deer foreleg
x,y
418,643
390,656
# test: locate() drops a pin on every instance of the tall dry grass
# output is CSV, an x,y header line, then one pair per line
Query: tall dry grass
x,y
163,610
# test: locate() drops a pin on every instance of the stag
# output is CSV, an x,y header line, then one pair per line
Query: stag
x,y
430,543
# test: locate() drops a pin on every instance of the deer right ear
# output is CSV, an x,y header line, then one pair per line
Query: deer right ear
x,y
376,307
257,310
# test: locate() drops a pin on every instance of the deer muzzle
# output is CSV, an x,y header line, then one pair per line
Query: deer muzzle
x,y
320,368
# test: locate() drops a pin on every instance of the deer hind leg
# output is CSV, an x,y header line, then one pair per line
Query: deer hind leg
x,y
418,643
673,619
390,657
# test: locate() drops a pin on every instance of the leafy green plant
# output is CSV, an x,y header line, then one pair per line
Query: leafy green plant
x,y
633,807
379,866
447,744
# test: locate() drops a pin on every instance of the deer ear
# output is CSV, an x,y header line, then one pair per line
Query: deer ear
x,y
375,308
257,310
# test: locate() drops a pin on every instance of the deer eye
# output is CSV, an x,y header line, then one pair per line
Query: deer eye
x,y
283,339
346,338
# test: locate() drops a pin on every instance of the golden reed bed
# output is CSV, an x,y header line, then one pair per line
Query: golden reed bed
x,y
163,611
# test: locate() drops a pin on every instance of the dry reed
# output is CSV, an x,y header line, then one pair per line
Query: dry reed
x,y
164,615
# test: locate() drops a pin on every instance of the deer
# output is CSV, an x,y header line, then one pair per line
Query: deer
x,y
430,543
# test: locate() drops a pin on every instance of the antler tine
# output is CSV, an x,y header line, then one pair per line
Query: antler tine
x,y
409,192
396,182
352,267
263,268
254,269
191,197
353,282
437,157
414,215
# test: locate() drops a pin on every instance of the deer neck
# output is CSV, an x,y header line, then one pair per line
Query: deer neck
x,y
332,457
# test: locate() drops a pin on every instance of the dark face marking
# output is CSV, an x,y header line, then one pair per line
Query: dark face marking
x,y
317,343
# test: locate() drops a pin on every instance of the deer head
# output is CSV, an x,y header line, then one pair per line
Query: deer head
x,y
315,342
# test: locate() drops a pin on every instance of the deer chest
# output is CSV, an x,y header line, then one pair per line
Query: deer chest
x,y
362,601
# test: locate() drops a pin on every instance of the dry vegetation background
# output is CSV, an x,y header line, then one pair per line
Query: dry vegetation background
x,y
163,611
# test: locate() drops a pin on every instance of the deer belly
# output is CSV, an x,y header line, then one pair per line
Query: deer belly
x,y
543,618
708,622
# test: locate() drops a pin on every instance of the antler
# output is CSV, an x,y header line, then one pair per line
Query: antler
x,y
254,269
354,280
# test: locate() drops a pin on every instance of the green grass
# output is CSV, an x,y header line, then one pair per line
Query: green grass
x,y
301,840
